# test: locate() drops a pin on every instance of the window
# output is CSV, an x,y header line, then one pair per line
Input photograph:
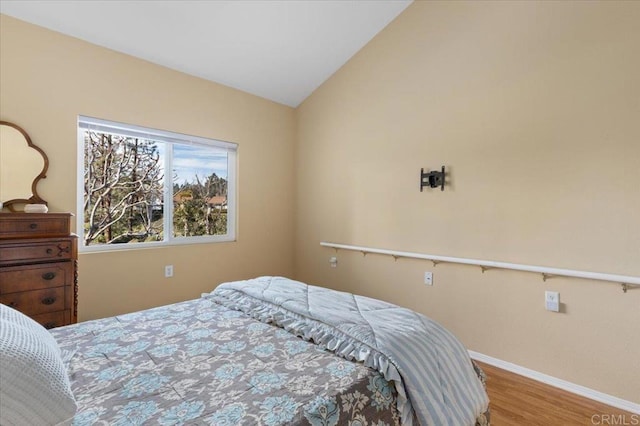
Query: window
x,y
142,187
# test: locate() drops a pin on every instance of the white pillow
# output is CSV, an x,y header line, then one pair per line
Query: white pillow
x,y
34,385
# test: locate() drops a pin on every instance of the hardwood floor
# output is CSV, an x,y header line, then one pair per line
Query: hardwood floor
x,y
517,400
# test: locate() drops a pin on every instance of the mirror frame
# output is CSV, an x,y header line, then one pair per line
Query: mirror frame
x,y
35,198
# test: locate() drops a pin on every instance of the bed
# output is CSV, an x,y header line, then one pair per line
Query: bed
x,y
269,351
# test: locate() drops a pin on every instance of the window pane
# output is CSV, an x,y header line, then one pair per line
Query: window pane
x,y
200,176
153,187
123,189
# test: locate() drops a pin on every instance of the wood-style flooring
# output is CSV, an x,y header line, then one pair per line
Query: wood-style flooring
x,y
517,400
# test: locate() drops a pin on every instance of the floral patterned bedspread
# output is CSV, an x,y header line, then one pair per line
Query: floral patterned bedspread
x,y
197,362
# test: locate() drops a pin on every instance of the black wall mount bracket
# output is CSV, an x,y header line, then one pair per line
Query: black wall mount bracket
x,y
432,179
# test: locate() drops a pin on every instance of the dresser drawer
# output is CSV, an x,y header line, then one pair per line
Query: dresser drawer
x,y
53,319
35,277
36,301
34,225
50,250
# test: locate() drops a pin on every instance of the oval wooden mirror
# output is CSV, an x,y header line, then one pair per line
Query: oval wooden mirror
x,y
22,165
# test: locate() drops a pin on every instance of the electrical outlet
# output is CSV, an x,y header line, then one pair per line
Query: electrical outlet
x,y
168,271
552,301
428,278
333,261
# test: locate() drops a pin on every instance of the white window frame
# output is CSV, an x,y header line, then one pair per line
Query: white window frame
x,y
96,124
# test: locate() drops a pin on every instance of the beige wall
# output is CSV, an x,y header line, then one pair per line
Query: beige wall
x,y
535,110
48,79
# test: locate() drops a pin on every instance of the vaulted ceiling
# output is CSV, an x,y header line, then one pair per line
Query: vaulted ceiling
x,y
279,50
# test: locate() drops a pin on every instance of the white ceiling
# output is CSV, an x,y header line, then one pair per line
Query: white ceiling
x,y
279,50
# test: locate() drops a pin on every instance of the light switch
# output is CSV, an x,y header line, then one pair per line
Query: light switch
x,y
552,301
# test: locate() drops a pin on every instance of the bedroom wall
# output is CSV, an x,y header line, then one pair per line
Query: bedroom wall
x,y
534,108
47,79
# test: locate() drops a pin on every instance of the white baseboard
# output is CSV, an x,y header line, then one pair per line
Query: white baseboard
x,y
559,383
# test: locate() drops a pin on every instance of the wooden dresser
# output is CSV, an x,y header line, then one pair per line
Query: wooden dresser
x,y
38,266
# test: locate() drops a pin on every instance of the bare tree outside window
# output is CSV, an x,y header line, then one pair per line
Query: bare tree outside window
x,y
123,187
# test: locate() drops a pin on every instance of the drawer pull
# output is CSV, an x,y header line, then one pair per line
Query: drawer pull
x,y
49,276
48,300
49,325
49,251
33,225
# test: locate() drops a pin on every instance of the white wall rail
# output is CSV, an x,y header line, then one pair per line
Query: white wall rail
x,y
627,282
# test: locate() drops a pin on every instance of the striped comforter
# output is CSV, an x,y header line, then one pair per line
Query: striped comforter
x,y
430,368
